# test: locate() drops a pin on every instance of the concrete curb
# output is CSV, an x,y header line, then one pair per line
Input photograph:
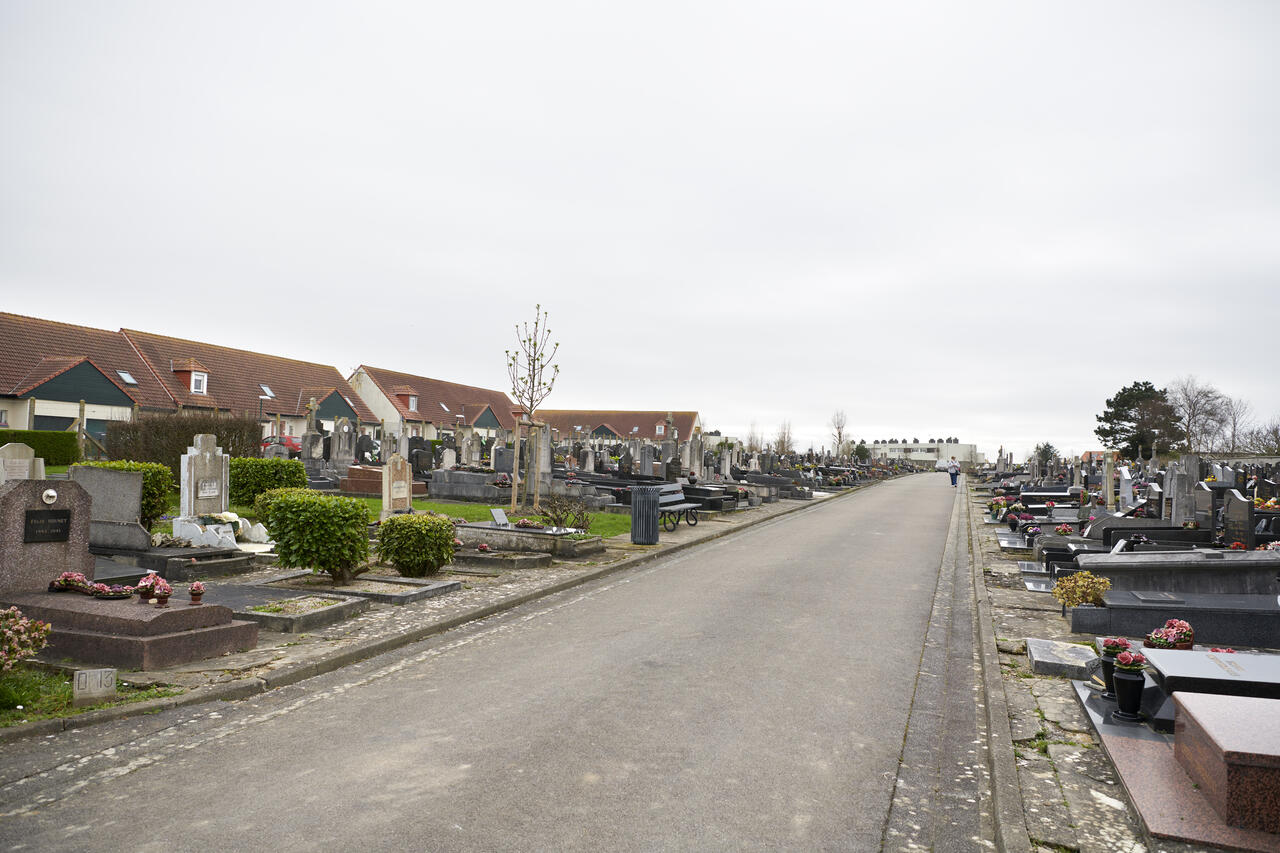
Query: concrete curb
x,y
1006,789
231,691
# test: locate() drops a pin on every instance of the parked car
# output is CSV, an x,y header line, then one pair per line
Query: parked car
x,y
289,441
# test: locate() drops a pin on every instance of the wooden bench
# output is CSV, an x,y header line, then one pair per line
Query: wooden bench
x,y
672,506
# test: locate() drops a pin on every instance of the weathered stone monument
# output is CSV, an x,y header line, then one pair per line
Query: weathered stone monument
x,y
397,492
19,462
342,446
204,474
115,517
44,531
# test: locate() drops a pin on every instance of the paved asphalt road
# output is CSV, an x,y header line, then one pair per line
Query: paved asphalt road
x,y
752,693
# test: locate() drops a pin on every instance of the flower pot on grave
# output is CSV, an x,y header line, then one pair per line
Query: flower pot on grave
x,y
1013,525
162,601
195,598
1128,684
1108,676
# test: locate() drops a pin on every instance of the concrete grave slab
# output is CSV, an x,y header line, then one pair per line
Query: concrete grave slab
x,y
1051,657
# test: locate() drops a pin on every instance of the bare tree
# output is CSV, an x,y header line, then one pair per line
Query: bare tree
x,y
1264,439
755,441
528,365
838,422
1236,423
782,442
1199,407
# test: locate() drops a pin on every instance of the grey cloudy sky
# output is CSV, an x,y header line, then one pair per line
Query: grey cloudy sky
x,y
969,219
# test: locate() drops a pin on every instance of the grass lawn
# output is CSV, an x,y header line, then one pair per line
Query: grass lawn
x,y
604,524
28,693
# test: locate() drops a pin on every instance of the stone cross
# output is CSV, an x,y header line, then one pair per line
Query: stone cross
x,y
204,473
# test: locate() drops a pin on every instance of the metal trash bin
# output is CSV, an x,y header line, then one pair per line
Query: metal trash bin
x,y
644,515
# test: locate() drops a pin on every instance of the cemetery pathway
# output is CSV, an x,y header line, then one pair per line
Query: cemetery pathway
x,y
753,693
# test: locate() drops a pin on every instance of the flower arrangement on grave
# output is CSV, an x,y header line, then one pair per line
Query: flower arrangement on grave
x,y
1190,525
999,492
457,543
1237,546
530,524
502,481
147,584
1081,588
1026,516
1131,661
1115,645
20,637
114,591
71,582
161,591
1223,651
1016,507
196,591
1050,504
1211,479
1176,632
1063,530
1033,531
483,547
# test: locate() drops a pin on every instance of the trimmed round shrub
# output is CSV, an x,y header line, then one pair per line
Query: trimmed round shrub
x,y
263,502
157,486
416,545
251,477
321,532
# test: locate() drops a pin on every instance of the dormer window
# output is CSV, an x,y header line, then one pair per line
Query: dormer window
x,y
126,377
266,391
661,428
413,403
199,382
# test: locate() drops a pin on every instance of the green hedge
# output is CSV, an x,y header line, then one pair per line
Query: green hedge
x,y
55,448
164,438
416,545
157,486
264,502
328,534
251,477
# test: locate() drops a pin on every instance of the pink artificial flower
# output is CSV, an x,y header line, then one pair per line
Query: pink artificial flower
x,y
1224,651
1125,658
196,588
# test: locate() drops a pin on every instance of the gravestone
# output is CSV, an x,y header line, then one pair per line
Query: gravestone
x,y
1181,501
1154,500
448,458
726,464
44,531
646,460
204,473
116,510
1237,519
501,459
19,462
1126,487
342,446
366,451
588,460
1108,482
276,451
1214,672
626,463
397,487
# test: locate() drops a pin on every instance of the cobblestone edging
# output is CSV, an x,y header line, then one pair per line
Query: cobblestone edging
x,y
388,628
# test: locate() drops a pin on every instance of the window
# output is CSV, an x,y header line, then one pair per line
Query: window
x,y
4,417
661,428
199,382
266,390
126,377
446,408
413,403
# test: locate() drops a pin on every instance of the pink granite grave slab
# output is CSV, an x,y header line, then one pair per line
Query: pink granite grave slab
x,y
1230,747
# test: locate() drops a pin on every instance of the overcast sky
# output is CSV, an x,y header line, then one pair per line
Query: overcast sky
x,y
946,219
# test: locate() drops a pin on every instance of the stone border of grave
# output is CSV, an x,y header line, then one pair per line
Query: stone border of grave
x,y
287,675
284,623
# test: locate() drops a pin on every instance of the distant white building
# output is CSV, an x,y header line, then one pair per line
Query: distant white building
x,y
927,452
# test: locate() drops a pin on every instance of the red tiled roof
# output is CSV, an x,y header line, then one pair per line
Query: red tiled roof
x,y
235,376
33,351
623,423
440,402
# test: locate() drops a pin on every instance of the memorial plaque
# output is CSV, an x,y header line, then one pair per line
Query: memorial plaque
x,y
208,488
1158,597
400,489
16,469
47,525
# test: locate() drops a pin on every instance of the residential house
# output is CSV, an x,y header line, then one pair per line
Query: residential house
x,y
572,424
417,405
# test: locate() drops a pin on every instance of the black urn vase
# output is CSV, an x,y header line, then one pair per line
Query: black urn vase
x,y
1108,673
1128,687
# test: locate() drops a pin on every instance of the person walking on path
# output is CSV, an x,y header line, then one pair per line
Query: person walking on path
x,y
954,470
